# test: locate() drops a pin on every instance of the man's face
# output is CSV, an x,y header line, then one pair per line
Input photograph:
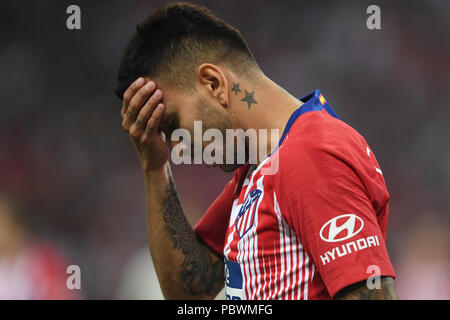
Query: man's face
x,y
184,110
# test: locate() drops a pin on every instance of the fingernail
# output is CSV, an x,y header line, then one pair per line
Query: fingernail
x,y
157,94
139,81
150,85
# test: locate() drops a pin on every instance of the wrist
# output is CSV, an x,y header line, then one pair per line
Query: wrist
x,y
159,174
148,167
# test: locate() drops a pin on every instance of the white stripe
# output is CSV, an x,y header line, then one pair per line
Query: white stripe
x,y
241,255
243,248
288,252
282,250
270,279
238,260
254,240
300,270
263,288
248,250
253,263
305,297
282,269
294,263
248,266
260,186
294,251
276,273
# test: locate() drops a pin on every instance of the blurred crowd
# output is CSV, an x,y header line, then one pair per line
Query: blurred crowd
x,y
71,192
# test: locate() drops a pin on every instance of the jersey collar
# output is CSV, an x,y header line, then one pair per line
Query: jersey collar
x,y
311,102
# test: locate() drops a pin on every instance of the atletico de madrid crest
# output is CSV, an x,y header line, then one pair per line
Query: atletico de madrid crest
x,y
246,215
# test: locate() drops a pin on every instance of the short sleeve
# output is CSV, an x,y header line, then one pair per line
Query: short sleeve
x,y
326,195
212,227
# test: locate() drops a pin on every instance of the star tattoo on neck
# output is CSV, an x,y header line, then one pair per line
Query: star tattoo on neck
x,y
249,98
236,88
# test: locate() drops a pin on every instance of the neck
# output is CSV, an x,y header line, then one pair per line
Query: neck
x,y
263,104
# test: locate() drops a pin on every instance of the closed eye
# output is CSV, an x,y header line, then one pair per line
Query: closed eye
x,y
169,126
173,124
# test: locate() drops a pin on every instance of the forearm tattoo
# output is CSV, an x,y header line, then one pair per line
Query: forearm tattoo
x,y
360,291
202,270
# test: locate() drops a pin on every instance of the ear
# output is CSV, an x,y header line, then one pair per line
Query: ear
x,y
214,80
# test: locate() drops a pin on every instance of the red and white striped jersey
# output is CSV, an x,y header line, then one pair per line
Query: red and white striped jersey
x,y
310,228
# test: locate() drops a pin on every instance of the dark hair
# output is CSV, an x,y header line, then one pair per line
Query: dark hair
x,y
175,39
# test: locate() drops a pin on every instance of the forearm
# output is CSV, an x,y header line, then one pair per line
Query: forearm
x,y
186,268
360,291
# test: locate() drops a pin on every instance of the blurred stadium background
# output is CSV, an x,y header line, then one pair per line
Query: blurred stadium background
x,y
71,188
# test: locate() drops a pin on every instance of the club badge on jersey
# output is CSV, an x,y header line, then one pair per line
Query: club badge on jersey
x,y
246,216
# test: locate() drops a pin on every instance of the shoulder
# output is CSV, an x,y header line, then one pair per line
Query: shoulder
x,y
318,137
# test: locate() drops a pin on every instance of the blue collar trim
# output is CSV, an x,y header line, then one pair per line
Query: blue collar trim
x,y
311,102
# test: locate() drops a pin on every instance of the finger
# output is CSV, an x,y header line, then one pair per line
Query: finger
x,y
137,128
146,112
129,93
137,102
155,120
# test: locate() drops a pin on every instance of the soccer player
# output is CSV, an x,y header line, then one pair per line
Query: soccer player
x,y
314,228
